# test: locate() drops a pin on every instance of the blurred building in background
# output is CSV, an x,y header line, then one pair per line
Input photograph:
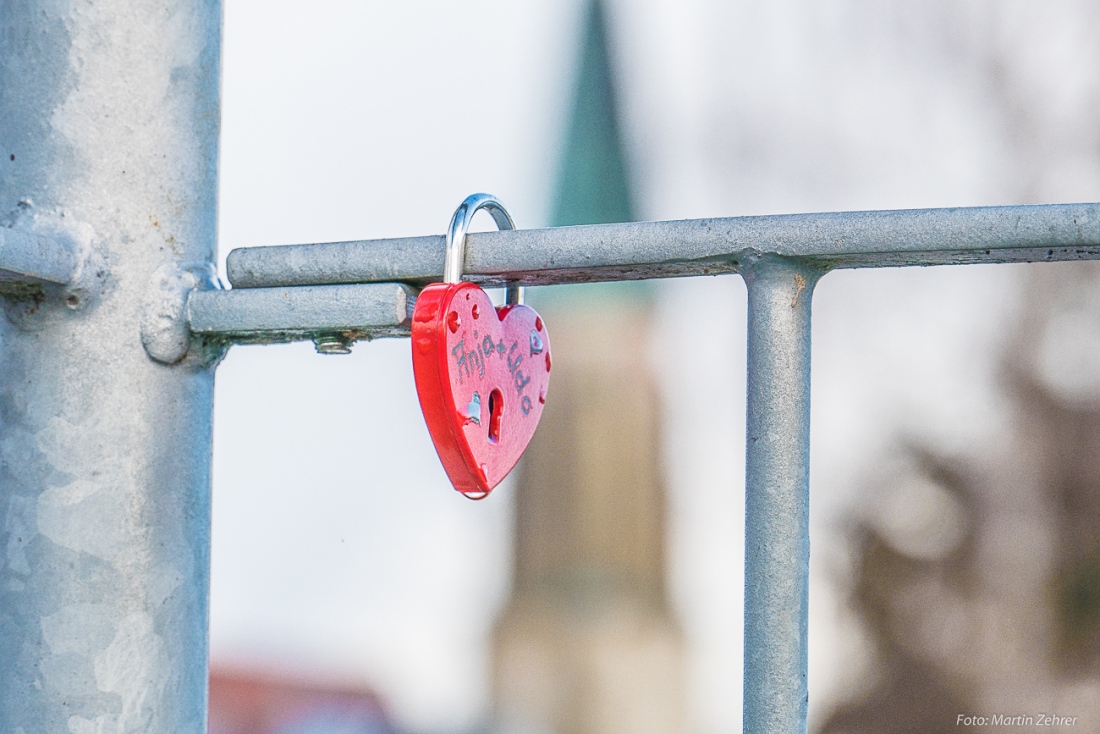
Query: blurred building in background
x,y
588,644
253,702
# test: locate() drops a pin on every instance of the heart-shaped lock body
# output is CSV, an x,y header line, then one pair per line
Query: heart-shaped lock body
x,y
481,375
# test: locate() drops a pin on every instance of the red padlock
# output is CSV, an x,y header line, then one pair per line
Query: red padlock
x,y
481,372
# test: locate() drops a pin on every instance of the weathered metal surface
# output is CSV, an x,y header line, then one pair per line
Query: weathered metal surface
x,y
165,324
639,250
777,494
33,257
108,123
270,315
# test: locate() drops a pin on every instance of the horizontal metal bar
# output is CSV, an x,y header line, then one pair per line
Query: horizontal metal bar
x,y
26,257
642,250
270,315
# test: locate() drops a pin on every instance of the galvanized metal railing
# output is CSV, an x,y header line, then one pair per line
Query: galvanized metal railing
x,y
781,258
114,321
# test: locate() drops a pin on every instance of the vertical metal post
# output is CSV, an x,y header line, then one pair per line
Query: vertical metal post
x,y
109,114
777,540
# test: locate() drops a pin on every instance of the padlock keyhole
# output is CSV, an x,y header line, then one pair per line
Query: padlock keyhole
x,y
496,410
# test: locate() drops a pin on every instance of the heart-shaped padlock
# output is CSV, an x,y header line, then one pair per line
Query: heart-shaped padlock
x,y
481,371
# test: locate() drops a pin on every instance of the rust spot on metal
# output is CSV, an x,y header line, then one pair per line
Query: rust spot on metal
x,y
799,286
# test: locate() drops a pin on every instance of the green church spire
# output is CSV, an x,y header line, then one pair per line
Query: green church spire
x,y
593,183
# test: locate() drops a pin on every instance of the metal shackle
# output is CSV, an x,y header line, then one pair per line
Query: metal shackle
x,y
456,238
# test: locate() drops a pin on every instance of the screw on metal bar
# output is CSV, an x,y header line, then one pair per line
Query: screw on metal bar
x,y
333,344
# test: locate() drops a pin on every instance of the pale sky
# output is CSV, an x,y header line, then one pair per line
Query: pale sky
x,y
339,547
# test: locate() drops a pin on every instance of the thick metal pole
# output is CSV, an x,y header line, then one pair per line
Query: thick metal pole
x,y
777,462
108,140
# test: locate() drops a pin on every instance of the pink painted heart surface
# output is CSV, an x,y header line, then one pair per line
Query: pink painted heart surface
x,y
481,375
